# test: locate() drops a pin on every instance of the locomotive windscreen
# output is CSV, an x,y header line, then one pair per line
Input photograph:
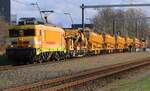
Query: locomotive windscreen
x,y
21,33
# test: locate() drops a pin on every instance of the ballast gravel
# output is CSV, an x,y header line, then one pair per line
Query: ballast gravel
x,y
42,72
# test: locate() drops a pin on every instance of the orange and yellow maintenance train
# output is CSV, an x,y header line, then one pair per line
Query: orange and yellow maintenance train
x,y
29,43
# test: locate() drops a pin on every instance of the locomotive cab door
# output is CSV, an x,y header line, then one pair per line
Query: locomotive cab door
x,y
42,38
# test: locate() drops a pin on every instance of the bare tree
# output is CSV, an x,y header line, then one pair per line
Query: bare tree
x,y
126,23
103,21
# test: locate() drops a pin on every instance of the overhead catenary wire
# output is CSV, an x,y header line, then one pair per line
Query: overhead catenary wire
x,y
27,4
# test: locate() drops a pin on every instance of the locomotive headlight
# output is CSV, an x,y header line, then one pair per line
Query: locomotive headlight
x,y
29,45
11,46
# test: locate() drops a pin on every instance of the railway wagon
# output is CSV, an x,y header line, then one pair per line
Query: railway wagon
x,y
76,42
129,43
109,43
120,44
144,44
137,43
35,43
95,42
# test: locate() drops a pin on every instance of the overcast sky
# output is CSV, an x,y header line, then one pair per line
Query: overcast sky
x,y
22,8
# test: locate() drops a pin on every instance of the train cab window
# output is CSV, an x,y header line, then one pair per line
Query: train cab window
x,y
13,33
29,32
21,33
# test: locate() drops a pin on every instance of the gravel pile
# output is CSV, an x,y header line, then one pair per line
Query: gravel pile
x,y
43,72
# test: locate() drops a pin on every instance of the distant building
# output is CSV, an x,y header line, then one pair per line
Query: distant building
x,y
14,19
5,10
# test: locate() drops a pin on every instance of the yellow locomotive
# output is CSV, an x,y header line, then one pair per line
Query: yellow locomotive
x,y
31,43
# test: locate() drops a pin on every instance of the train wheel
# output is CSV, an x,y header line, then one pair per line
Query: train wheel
x,y
62,56
57,57
40,61
39,58
49,55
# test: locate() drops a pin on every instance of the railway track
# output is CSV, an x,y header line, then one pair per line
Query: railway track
x,y
11,67
7,67
62,83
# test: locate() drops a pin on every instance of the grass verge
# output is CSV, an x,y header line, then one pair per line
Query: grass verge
x,y
139,85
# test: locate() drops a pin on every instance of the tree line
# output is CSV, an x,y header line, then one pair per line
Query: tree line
x,y
130,22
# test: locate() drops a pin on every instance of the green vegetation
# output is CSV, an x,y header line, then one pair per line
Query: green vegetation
x,y
139,85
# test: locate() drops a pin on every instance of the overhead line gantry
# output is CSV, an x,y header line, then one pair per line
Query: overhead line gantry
x,y
83,7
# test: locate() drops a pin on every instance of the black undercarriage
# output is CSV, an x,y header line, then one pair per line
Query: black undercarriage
x,y
20,54
28,55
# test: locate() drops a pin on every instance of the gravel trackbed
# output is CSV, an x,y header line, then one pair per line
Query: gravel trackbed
x,y
42,72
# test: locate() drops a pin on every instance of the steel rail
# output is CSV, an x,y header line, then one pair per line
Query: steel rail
x,y
62,83
11,67
98,74
6,67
